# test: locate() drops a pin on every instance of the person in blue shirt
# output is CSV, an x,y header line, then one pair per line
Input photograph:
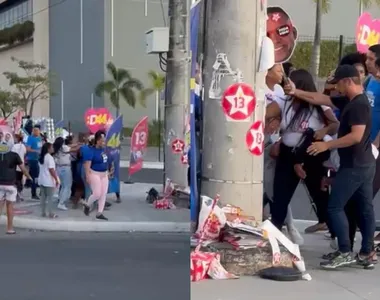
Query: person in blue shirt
x,y
96,165
372,88
33,149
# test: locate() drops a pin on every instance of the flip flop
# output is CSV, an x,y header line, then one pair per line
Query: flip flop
x,y
53,216
10,232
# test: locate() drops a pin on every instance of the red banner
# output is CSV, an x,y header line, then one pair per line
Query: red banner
x,y
97,119
139,141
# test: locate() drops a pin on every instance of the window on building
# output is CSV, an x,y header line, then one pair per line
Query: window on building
x,y
18,13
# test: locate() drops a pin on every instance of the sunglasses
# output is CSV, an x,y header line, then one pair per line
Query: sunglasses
x,y
282,31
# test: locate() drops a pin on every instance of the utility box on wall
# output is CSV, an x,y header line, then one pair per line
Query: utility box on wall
x,y
157,40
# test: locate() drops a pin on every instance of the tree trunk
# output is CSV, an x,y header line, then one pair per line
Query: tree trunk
x,y
117,104
31,108
316,52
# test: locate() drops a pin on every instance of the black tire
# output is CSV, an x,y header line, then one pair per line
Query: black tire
x,y
280,274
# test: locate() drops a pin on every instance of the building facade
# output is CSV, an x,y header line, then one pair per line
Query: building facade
x,y
75,39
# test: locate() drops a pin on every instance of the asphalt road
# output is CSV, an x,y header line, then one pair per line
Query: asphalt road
x,y
86,266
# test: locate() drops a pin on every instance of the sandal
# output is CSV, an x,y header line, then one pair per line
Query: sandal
x,y
10,232
53,216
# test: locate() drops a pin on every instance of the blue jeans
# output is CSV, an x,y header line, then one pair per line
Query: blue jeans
x,y
66,178
34,171
356,184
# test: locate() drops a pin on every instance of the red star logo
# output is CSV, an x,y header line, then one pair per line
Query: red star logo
x,y
276,17
255,138
178,146
184,159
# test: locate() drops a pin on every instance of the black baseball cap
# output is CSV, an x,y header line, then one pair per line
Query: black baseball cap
x,y
344,71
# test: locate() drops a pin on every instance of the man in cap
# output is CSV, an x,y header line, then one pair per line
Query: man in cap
x,y
357,163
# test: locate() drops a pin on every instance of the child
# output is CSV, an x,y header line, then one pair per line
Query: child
x,y
47,179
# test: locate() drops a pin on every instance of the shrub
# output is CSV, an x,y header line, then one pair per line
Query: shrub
x,y
16,33
329,55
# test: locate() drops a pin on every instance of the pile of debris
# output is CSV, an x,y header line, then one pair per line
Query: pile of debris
x,y
171,197
231,226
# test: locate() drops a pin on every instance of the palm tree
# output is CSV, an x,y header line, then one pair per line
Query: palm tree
x,y
121,85
323,7
157,85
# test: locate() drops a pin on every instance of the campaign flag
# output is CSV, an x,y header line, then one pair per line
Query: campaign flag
x,y
60,131
113,153
194,27
139,141
17,121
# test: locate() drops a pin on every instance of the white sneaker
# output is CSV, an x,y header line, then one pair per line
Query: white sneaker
x,y
62,207
295,236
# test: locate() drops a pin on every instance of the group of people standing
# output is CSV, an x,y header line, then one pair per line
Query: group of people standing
x,y
76,171
311,135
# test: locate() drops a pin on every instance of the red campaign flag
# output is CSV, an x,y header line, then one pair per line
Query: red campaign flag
x,y
139,141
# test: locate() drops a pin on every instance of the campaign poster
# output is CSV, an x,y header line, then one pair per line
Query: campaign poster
x,y
113,153
282,32
60,130
139,142
97,119
194,27
367,32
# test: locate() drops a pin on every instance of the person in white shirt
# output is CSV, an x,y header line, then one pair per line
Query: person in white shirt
x,y
62,155
48,180
274,91
20,149
297,119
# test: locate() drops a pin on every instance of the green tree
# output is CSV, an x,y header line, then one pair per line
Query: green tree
x,y
121,85
323,7
9,103
33,85
157,85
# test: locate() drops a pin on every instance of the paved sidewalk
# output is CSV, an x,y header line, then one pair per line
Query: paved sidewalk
x,y
346,284
133,214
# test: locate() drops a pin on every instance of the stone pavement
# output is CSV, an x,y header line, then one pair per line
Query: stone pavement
x,y
346,284
133,214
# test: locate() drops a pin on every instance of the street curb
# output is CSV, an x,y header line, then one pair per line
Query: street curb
x,y
98,226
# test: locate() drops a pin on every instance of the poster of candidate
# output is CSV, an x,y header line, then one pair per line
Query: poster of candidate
x,y
282,32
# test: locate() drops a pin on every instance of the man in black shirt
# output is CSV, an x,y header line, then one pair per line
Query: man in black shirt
x,y
9,161
357,163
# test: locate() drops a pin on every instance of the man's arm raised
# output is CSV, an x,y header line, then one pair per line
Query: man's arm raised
x,y
313,98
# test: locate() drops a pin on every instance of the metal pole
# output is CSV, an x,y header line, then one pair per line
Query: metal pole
x,y
341,46
62,102
159,128
361,7
178,87
234,31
